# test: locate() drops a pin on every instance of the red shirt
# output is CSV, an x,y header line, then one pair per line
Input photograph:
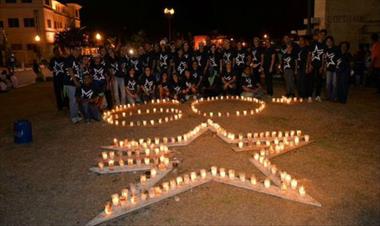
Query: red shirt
x,y
375,55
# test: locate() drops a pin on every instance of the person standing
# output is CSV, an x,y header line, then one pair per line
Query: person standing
x,y
256,59
98,71
132,86
330,64
316,55
375,59
304,80
57,66
72,82
343,72
268,61
288,68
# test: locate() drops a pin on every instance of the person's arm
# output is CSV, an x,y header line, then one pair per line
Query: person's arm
x,y
273,60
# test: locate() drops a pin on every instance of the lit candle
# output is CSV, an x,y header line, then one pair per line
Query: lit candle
x,y
253,180
186,179
143,178
242,177
296,140
222,172
231,174
153,172
111,164
307,138
143,196
267,183
146,161
112,154
193,176
284,187
124,193
214,170
101,165
108,208
256,156
115,199
173,184
302,191
165,186
237,113
203,173
133,200
104,155
121,162
241,144
179,180
293,184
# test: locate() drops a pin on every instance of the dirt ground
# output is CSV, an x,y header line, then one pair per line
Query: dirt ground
x,y
48,182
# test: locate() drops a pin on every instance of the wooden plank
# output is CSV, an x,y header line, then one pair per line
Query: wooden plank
x,y
276,180
121,169
289,194
301,144
120,211
152,181
258,148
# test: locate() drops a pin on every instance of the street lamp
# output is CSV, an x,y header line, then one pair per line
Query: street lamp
x,y
265,36
98,37
169,12
37,38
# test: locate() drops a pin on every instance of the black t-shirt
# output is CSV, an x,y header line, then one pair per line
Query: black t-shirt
x,y
201,58
131,84
214,60
240,59
289,61
196,75
87,92
247,81
228,76
228,56
165,84
181,64
72,63
317,50
148,83
302,58
113,65
175,87
57,65
344,61
256,54
99,73
188,56
331,57
187,82
123,63
163,60
136,64
268,52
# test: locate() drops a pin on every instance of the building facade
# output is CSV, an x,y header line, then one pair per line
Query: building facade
x,y
28,27
348,20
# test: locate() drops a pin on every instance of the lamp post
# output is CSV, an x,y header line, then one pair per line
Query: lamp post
x,y
169,13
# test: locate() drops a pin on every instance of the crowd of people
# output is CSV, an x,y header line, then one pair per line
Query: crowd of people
x,y
120,75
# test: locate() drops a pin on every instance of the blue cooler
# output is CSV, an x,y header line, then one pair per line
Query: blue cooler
x,y
23,132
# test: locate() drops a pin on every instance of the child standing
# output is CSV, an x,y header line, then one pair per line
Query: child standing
x,y
87,96
288,67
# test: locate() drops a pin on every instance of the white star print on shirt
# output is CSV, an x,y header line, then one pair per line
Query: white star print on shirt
x,y
287,62
99,74
316,54
240,58
58,67
330,59
87,94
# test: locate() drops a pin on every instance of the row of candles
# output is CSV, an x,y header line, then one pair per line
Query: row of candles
x,y
289,100
141,112
278,144
151,122
129,199
129,106
162,149
161,141
286,179
162,161
227,114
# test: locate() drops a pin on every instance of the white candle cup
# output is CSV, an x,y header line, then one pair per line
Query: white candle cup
x,y
307,138
121,162
108,208
143,196
214,170
124,193
142,179
203,173
242,177
153,172
222,172
115,199
240,144
112,155
253,180
193,176
104,155
231,174
173,184
267,183
146,161
165,186
293,183
302,191
284,187
101,165
186,179
111,164
179,180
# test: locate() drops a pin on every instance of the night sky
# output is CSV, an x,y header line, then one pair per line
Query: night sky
x,y
238,18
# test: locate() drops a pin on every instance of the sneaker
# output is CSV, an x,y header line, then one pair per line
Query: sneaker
x,y
318,99
75,120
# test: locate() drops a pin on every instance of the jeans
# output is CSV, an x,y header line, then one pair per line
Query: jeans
x,y
73,104
268,81
317,81
58,91
331,87
118,86
90,111
289,82
133,100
